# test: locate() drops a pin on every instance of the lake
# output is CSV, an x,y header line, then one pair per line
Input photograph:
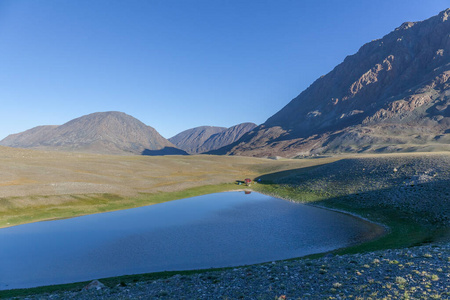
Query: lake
x,y
216,230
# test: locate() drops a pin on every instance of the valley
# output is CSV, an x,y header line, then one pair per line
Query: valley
x,y
369,139
407,192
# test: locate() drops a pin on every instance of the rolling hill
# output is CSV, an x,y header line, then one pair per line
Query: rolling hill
x,y
103,132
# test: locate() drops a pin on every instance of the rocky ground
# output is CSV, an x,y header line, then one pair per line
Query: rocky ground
x,y
414,273
417,185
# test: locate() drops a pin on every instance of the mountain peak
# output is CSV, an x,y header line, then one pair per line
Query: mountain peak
x,y
190,139
444,15
110,132
206,138
397,86
405,26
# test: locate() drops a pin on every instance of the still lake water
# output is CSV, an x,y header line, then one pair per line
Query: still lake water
x,y
217,230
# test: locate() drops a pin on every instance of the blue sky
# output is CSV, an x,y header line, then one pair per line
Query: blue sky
x,y
179,64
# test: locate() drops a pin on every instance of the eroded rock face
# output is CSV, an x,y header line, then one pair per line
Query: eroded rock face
x,y
399,82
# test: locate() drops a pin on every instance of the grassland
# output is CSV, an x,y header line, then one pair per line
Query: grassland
x,y
38,185
407,192
410,193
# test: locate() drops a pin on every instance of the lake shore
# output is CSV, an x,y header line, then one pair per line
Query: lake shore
x,y
408,193
413,273
211,231
47,185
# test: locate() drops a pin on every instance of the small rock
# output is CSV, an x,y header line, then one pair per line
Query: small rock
x,y
94,285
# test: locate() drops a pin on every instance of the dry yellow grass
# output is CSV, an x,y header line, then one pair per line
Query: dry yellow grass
x,y
40,185
36,185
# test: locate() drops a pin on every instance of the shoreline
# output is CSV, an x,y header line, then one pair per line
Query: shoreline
x,y
412,203
380,231
373,232
385,229
418,272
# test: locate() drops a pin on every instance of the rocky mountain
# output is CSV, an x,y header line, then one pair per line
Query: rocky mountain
x,y
206,138
191,139
226,137
103,132
392,95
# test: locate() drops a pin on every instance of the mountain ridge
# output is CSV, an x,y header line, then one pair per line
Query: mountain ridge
x,y
226,137
189,140
394,91
203,139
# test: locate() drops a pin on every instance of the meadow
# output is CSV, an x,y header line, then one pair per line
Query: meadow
x,y
44,185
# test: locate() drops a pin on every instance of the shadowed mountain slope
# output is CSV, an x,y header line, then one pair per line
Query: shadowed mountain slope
x,y
206,138
226,137
392,95
102,132
191,139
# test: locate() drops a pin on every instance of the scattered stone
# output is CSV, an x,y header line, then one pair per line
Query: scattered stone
x,y
94,285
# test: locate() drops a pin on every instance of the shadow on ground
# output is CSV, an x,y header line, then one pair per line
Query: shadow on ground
x,y
417,212
164,151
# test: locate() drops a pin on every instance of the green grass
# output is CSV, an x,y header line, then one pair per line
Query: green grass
x,y
98,203
403,231
103,203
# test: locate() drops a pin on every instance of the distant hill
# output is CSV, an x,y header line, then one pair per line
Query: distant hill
x,y
191,139
103,132
206,138
392,95
226,137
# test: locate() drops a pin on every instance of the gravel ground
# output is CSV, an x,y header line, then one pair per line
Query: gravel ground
x,y
417,184
413,273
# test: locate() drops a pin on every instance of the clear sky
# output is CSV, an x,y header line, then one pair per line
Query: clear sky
x,y
178,64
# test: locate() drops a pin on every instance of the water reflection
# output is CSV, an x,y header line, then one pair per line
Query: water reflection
x,y
218,230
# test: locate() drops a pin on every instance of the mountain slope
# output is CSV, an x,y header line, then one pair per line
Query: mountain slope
x,y
191,139
226,137
207,138
392,95
103,132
